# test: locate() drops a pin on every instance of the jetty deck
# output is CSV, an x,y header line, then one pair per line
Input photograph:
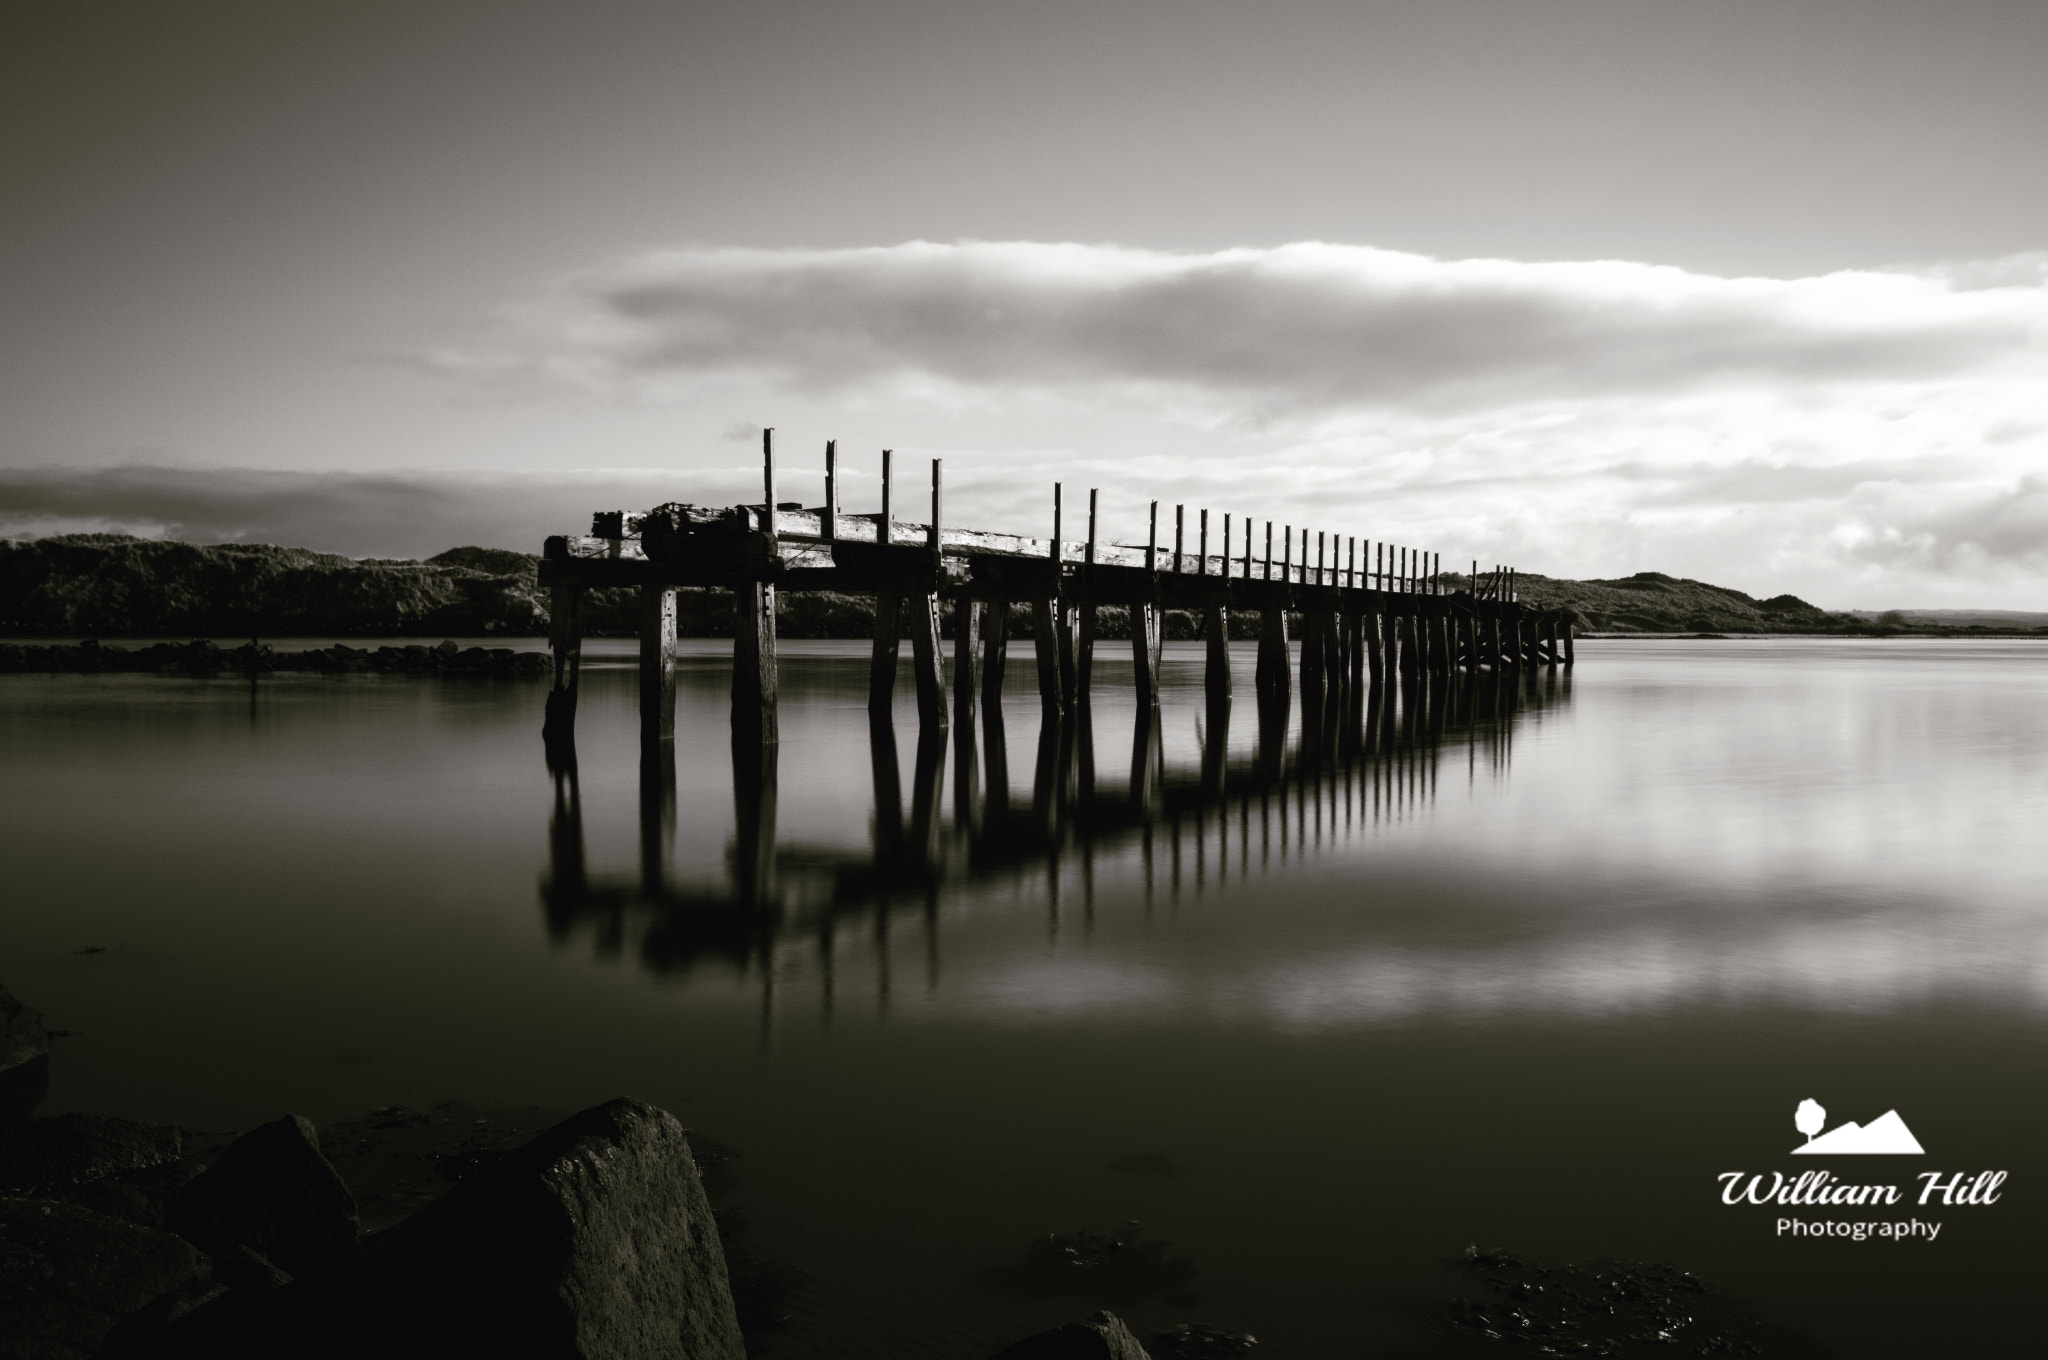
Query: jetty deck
x,y
1368,612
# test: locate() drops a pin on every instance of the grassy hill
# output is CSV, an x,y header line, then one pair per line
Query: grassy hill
x,y
112,585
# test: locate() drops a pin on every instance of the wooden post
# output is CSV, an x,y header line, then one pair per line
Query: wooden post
x,y
995,653
967,621
657,664
755,683
888,612
925,646
1145,631
1084,678
1045,618
1216,631
829,521
1180,538
565,639
768,485
1565,632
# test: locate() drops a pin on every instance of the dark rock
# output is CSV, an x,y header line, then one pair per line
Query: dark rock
x,y
22,1088
1102,1336
23,1037
69,1275
592,1240
1199,1341
237,1267
273,1192
42,1154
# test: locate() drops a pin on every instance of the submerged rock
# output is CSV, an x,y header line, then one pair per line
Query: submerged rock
x,y
1101,1336
274,1193
69,1276
593,1240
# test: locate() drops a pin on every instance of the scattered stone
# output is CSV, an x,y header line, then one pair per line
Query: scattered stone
x,y
594,1240
1116,1268
69,1275
23,1038
1199,1341
272,1192
43,1154
1102,1336
1608,1308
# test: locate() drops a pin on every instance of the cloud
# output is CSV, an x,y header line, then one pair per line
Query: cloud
x,y
1295,331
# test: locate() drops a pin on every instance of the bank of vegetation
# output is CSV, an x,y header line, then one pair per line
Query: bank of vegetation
x,y
116,586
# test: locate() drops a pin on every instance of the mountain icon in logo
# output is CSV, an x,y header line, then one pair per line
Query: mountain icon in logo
x,y
1885,1135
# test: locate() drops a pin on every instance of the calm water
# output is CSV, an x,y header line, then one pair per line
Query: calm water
x,y
1526,970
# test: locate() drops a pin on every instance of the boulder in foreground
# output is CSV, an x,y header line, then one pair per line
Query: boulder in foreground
x,y
274,1193
69,1275
594,1241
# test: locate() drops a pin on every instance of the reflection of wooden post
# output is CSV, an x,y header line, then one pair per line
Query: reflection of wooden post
x,y
657,663
927,784
888,789
753,788
995,746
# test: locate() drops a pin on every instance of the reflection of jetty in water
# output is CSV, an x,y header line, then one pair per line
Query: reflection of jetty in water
x,y
1360,758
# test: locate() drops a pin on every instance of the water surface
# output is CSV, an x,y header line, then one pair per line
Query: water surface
x,y
1316,1008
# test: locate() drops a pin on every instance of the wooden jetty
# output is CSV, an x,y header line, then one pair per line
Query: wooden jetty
x,y
1370,612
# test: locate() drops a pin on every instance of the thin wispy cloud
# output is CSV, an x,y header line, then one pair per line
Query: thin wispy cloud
x,y
1306,329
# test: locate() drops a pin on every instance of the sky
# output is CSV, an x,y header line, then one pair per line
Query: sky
x,y
1752,291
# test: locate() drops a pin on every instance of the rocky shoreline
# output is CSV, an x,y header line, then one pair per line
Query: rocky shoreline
x,y
590,1236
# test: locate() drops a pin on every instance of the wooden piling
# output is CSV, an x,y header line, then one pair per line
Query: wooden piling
x,y
657,664
755,683
925,646
565,639
1146,640
995,652
1047,624
967,622
1084,652
888,612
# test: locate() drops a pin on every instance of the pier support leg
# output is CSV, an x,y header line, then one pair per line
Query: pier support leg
x,y
1565,633
1084,657
565,639
1045,619
657,664
1371,626
882,663
1274,682
1066,617
755,683
1314,665
995,652
1216,631
1146,649
926,651
967,616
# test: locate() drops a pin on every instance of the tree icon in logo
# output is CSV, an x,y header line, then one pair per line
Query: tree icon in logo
x,y
1810,1118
